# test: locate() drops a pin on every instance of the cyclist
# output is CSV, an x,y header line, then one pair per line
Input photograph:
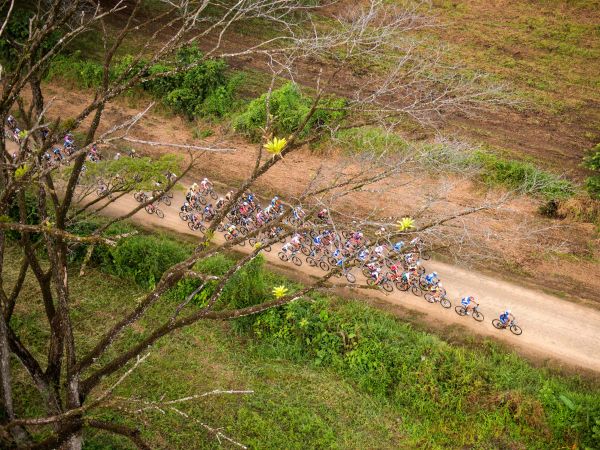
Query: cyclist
x,y
228,195
209,212
506,318
323,214
438,290
295,241
206,185
288,246
12,123
232,230
469,303
185,207
117,156
379,250
398,246
432,278
57,154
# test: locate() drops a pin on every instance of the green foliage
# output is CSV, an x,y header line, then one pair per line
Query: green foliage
x,y
437,385
132,173
31,215
86,73
16,33
190,85
371,139
143,258
196,87
592,162
289,109
522,176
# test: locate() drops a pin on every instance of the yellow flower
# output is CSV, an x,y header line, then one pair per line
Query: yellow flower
x,y
275,146
406,223
280,291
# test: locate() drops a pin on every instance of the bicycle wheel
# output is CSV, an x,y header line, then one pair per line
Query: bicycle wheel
x,y
252,241
425,256
351,278
191,226
267,248
497,324
138,196
323,266
305,250
445,303
201,199
478,316
282,256
460,310
311,261
166,200
416,290
387,286
183,215
149,209
430,298
213,195
297,261
401,286
516,329
370,282
228,237
159,212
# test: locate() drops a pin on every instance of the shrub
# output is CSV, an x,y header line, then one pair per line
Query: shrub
x,y
592,162
522,176
143,258
371,139
288,108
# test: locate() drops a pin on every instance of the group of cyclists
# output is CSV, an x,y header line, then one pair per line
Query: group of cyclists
x,y
385,264
57,153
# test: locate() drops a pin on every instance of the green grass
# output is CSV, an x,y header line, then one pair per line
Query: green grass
x,y
328,374
546,50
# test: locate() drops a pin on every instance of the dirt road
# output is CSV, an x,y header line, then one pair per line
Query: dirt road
x,y
553,328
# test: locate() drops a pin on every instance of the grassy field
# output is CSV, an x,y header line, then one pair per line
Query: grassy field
x,y
325,374
547,50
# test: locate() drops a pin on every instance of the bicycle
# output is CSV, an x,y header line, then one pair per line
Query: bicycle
x,y
152,209
444,301
312,262
254,241
140,196
383,283
196,226
512,326
461,310
284,257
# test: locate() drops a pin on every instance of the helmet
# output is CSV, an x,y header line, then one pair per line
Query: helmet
x,y
507,311
205,179
434,274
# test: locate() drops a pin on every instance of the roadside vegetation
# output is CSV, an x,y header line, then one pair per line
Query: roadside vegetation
x,y
336,372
